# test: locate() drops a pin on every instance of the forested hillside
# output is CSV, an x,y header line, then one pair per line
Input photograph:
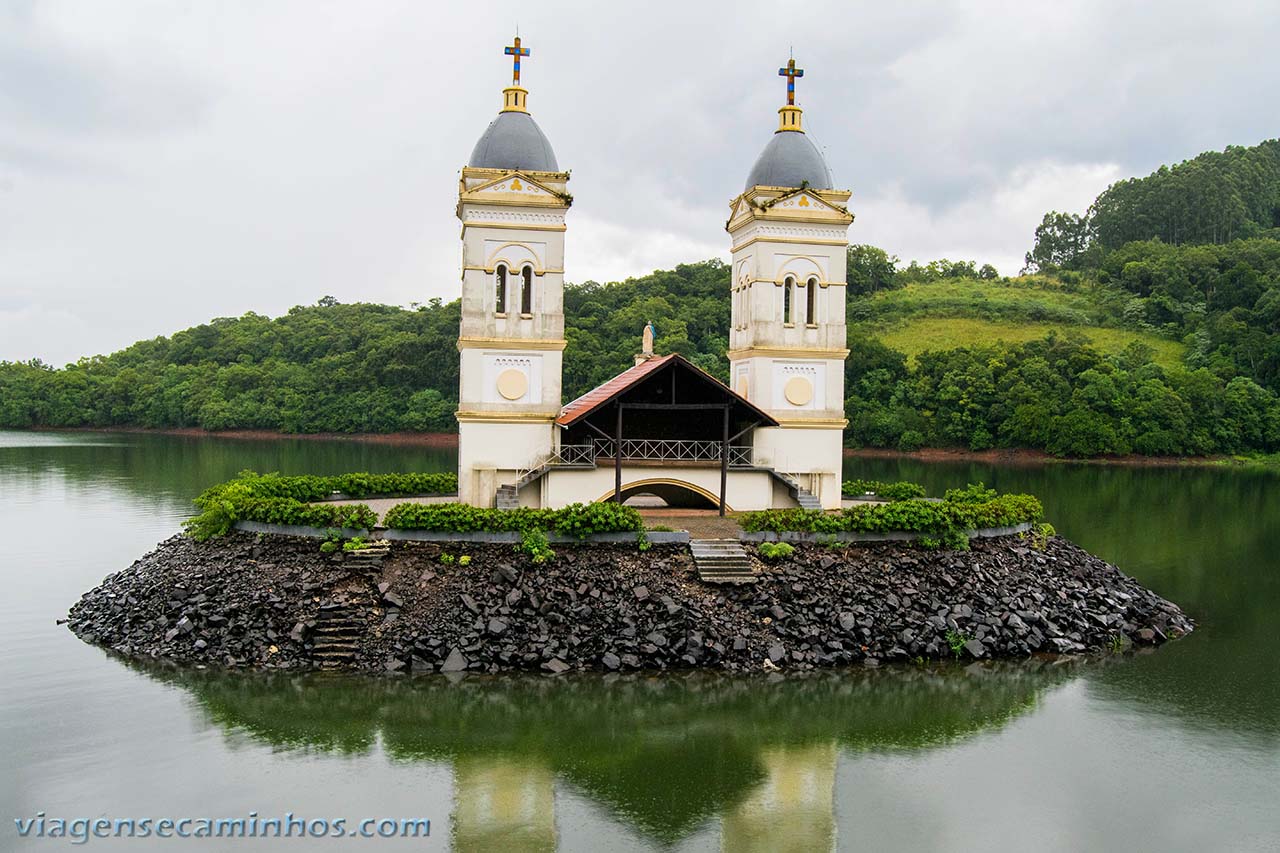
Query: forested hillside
x,y
1152,330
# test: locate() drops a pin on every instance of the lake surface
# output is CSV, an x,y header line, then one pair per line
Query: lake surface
x,y
1174,750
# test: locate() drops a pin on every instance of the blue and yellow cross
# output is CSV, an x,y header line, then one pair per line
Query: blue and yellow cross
x,y
516,51
790,72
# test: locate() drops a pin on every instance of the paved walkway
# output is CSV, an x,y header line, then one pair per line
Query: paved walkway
x,y
381,505
701,523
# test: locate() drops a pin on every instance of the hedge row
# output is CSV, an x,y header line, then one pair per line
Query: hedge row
x,y
892,491
913,516
308,488
578,520
273,499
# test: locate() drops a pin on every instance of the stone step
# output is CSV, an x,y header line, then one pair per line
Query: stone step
x,y
721,561
728,579
351,630
349,646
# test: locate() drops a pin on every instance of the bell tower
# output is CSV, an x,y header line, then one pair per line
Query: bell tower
x,y
787,343
512,202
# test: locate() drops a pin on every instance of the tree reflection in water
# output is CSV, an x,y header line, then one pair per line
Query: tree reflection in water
x,y
663,753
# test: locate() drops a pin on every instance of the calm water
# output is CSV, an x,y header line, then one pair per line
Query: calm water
x,y
1176,750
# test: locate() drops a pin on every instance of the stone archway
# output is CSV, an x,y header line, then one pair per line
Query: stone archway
x,y
677,494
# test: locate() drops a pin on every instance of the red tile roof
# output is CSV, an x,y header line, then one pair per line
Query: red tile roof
x,y
604,393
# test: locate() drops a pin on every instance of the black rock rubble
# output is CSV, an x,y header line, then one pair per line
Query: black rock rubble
x,y
276,602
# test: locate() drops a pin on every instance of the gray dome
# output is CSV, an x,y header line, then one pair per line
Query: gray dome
x,y
513,140
790,160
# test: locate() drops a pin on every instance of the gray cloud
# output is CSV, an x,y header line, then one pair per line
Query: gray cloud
x,y
161,164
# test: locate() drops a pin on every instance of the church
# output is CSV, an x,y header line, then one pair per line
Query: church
x,y
769,439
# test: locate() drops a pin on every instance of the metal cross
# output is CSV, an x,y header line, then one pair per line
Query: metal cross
x,y
516,51
791,73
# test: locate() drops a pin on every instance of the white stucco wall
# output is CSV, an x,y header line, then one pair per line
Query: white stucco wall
x,y
747,490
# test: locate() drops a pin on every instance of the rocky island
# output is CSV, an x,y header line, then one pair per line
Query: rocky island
x,y
277,602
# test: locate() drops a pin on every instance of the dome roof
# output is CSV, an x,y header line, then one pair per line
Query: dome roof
x,y
790,160
513,140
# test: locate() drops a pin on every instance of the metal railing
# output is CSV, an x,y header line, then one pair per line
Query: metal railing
x,y
573,454
673,450
566,454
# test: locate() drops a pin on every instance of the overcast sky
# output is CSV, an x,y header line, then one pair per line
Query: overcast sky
x,y
165,163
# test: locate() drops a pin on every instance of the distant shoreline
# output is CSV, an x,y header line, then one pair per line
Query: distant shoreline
x,y
998,456
405,439
1029,457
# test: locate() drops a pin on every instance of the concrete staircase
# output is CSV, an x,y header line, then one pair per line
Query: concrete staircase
x,y
367,560
344,618
804,497
721,561
336,636
508,496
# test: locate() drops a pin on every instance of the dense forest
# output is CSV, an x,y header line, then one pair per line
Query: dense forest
x,y
1152,258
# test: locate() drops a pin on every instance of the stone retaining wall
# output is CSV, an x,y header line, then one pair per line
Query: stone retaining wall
x,y
893,536
657,537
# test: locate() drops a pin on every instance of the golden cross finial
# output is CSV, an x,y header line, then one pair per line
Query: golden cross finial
x,y
791,73
515,51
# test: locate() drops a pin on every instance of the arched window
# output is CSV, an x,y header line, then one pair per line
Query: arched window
x,y
526,290
500,289
788,299
811,302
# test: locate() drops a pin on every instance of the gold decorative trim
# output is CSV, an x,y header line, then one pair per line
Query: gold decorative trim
x,y
748,282
512,343
812,423
552,201
505,417
503,175
788,352
509,226
515,99
483,172
808,241
492,269
664,481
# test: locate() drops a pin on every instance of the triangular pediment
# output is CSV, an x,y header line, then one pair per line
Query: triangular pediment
x,y
515,183
788,204
804,201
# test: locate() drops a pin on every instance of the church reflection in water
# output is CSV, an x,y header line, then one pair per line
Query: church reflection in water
x,y
665,756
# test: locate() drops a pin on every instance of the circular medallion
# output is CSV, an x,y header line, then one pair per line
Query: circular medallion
x,y
798,391
512,384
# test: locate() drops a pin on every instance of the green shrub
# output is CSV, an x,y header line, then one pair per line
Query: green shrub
x,y
534,543
355,543
579,520
273,499
892,491
774,551
974,493
464,560
941,523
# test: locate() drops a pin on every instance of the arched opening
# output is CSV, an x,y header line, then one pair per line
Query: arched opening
x,y
811,302
500,289
788,299
526,290
674,493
